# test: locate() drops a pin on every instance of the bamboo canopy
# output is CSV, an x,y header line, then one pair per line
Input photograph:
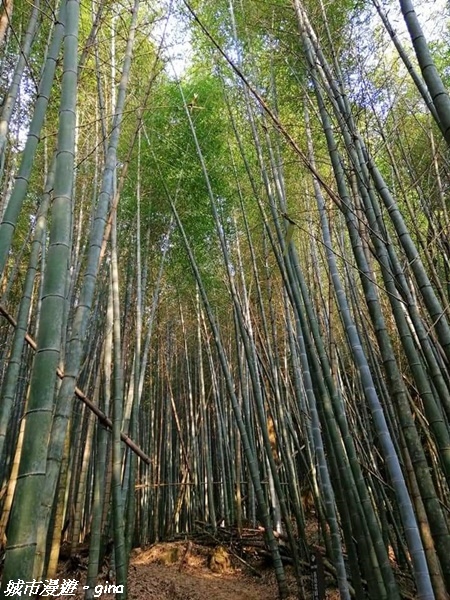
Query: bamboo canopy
x,y
224,287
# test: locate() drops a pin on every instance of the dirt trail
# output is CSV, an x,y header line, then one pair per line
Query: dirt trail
x,y
181,571
161,582
190,578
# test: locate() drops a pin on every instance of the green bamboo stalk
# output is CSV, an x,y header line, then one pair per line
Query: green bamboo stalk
x,y
251,459
101,487
10,99
10,380
120,562
18,195
20,551
394,377
433,81
75,344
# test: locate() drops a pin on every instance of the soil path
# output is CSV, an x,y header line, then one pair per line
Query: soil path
x,y
178,571
160,582
190,578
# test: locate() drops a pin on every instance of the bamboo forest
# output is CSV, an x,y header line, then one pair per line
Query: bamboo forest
x,y
225,298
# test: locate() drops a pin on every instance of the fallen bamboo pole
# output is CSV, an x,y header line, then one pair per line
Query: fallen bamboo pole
x,y
104,419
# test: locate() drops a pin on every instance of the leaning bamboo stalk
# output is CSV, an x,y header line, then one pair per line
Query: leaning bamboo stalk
x,y
9,101
430,74
11,214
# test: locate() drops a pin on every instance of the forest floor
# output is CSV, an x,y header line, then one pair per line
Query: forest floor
x,y
187,570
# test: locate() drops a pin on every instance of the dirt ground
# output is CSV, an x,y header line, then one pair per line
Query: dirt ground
x,y
190,578
185,571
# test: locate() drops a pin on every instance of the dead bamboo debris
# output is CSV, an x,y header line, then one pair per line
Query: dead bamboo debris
x,y
247,542
247,545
